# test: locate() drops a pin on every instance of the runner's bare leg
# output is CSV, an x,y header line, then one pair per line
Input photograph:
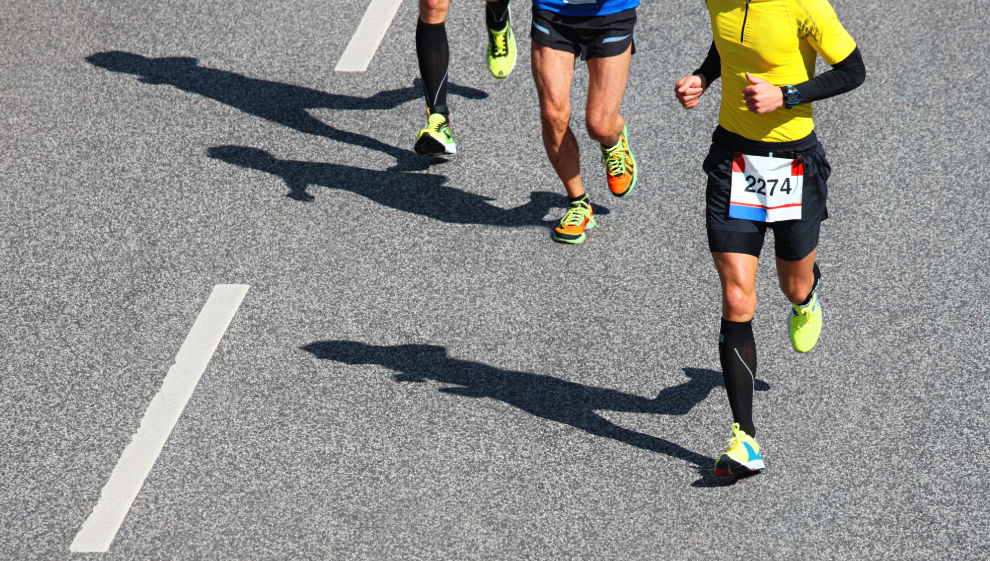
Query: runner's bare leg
x,y
607,79
797,278
553,72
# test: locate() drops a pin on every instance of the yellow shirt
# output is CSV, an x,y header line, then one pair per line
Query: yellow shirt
x,y
778,43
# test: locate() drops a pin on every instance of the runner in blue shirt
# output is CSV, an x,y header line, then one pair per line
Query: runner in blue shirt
x,y
601,33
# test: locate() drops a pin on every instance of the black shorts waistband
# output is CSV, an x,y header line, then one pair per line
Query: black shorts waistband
x,y
790,149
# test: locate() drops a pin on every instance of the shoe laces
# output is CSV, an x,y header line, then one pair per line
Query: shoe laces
x,y
576,213
737,434
498,37
614,159
437,122
804,313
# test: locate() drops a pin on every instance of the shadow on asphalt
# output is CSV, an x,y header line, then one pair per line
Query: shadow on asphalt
x,y
416,193
280,103
544,396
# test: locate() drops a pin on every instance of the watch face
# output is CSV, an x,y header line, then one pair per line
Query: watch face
x,y
793,96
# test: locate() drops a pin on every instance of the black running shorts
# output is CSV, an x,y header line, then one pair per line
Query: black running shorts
x,y
590,37
793,239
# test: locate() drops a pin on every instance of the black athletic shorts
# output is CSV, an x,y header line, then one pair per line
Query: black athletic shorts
x,y
589,37
793,239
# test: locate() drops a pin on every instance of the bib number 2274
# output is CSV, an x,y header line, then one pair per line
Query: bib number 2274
x,y
766,189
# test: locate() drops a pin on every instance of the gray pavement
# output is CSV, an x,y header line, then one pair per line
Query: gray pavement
x,y
418,372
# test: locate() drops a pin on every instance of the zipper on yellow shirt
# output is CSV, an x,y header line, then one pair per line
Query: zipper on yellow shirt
x,y
742,34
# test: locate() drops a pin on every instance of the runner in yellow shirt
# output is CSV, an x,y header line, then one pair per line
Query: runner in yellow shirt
x,y
766,169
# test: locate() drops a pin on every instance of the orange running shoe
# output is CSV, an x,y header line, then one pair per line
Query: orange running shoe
x,y
578,219
620,165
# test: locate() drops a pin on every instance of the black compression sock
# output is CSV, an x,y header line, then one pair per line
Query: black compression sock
x,y
737,353
572,200
814,287
496,14
433,53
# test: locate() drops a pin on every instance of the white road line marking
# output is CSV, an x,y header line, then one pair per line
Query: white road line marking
x,y
140,455
368,36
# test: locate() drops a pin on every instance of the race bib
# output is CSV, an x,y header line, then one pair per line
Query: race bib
x,y
766,189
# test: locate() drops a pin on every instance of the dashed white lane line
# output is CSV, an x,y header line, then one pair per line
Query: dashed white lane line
x,y
368,36
140,455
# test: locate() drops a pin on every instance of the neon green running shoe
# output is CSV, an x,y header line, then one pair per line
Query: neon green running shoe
x,y
436,139
743,455
806,324
572,226
620,166
501,51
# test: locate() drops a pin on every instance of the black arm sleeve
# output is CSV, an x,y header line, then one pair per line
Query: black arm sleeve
x,y
711,69
845,76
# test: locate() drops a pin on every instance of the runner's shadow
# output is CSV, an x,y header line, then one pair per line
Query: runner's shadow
x,y
543,396
284,104
416,193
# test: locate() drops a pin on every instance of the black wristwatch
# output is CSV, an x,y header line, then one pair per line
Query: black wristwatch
x,y
792,96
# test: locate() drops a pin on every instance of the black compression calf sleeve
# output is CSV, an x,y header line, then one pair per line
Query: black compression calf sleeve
x,y
434,55
818,277
737,353
496,14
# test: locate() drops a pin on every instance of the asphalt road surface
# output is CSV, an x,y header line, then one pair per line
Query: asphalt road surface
x,y
417,370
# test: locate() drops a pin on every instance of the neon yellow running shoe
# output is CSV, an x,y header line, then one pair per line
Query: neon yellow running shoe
x,y
806,324
436,138
743,455
501,51
572,226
